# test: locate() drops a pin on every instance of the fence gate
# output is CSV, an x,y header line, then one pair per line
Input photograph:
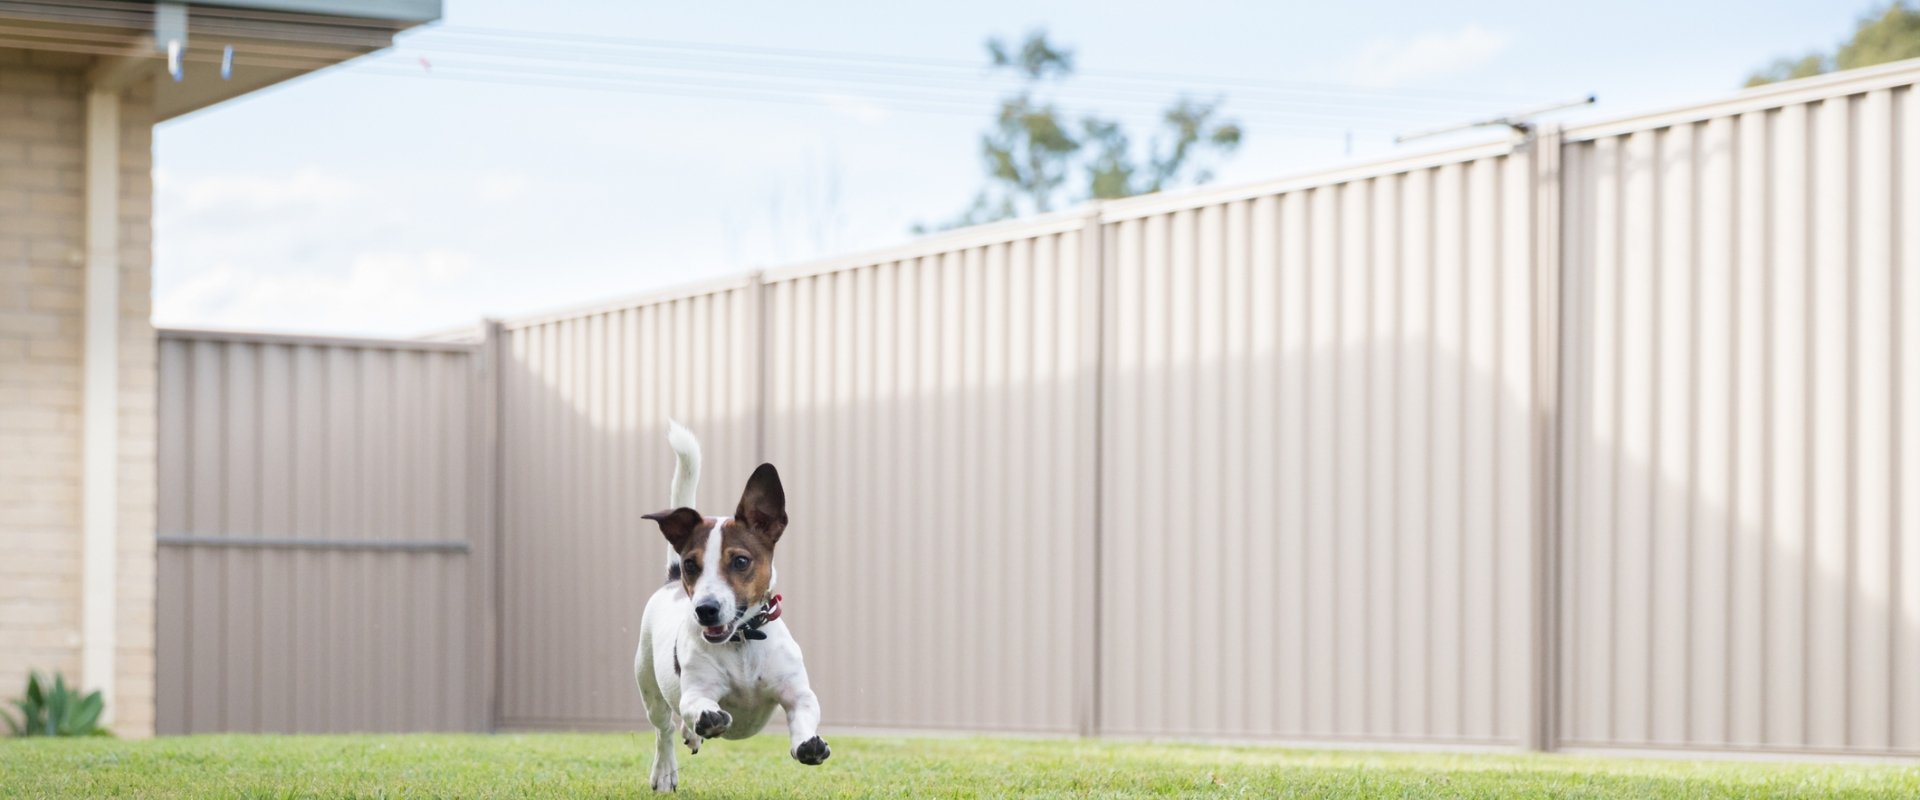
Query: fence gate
x,y
321,564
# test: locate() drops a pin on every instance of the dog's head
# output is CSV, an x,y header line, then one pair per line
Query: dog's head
x,y
726,563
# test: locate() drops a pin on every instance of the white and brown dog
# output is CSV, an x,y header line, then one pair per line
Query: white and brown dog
x,y
714,656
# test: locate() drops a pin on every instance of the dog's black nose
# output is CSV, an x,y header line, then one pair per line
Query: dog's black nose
x,y
709,613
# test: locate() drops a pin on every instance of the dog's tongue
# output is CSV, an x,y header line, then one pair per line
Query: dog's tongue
x,y
715,631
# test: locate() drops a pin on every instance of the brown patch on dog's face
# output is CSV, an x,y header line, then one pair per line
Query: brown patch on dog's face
x,y
746,554
686,533
746,558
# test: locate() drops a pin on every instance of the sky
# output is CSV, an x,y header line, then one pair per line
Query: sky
x,y
519,157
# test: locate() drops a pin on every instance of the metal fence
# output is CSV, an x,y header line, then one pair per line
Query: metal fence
x,y
322,547
1317,494
1742,459
1597,440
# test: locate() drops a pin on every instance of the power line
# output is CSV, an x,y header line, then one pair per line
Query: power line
x,y
976,99
818,101
975,76
668,67
577,39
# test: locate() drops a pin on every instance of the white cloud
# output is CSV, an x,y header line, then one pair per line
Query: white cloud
x,y
1437,54
389,292
312,250
305,187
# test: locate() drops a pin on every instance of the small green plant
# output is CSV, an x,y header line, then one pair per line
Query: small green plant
x,y
56,710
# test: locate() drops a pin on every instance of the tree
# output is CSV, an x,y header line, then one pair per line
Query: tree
x,y
1034,150
1890,34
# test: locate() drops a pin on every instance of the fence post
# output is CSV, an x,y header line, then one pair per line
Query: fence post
x,y
1093,335
757,298
1543,666
488,498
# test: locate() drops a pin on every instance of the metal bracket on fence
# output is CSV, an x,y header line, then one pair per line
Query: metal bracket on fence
x,y
1520,122
365,545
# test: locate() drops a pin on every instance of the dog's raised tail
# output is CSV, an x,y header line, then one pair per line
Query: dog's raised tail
x,y
686,470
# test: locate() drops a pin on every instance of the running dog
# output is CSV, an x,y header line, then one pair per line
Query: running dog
x,y
714,657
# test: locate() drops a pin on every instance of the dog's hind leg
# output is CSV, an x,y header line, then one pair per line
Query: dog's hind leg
x,y
666,768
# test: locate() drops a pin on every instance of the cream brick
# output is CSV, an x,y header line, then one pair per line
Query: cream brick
x,y
29,324
54,153
37,442
54,107
55,274
42,375
29,176
46,492
31,128
53,645
56,202
51,349
42,216
42,586
40,613
36,514
35,418
46,540
59,247
136,659
55,396
29,82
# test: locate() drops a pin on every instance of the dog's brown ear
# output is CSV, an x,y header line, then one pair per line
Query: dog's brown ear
x,y
763,506
677,524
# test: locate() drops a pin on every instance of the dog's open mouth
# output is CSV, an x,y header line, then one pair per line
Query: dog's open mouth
x,y
716,634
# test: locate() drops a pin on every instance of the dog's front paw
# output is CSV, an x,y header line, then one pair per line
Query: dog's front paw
x,y
812,752
712,724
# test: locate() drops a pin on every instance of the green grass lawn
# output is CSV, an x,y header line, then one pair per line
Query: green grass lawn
x,y
615,765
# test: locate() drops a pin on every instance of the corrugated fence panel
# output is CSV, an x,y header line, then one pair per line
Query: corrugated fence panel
x,y
1253,463
1317,491
584,402
931,417
1739,518
318,536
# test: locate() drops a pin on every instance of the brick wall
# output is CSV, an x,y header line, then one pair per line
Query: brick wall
x,y
42,229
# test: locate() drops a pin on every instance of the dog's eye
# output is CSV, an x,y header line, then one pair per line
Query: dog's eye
x,y
740,563
690,567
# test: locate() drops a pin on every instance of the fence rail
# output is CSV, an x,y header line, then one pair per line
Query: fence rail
x,y
422,546
1594,440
